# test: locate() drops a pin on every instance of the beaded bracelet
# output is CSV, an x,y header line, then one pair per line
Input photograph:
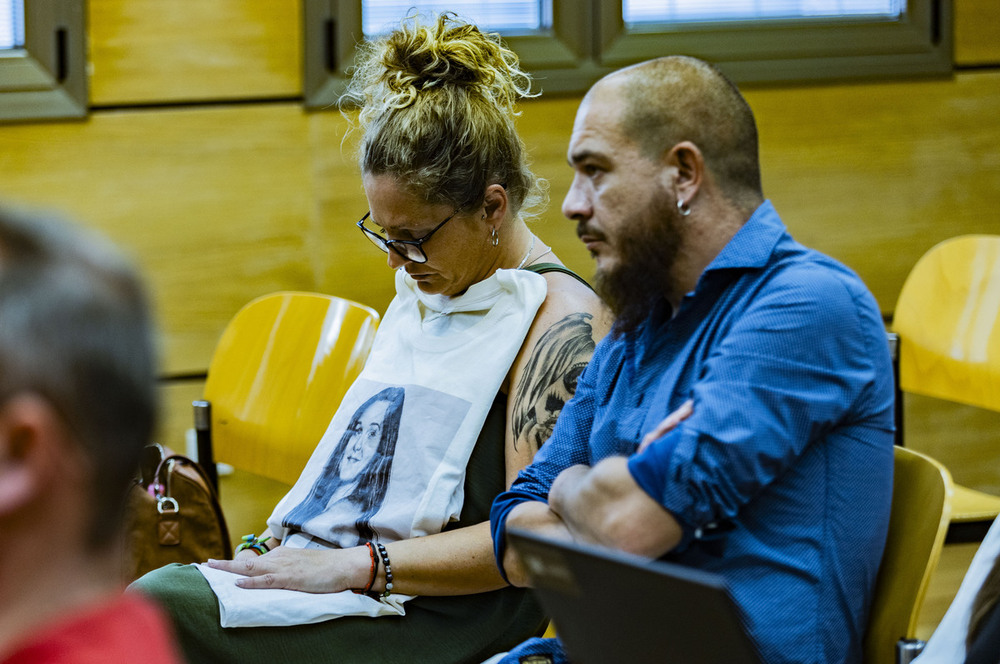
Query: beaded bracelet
x,y
254,543
388,569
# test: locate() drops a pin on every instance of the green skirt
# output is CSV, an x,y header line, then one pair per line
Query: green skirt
x,y
467,628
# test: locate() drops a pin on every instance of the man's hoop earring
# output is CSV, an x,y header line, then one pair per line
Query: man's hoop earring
x,y
682,208
494,238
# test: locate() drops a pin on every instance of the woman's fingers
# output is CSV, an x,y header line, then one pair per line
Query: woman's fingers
x,y
244,565
308,570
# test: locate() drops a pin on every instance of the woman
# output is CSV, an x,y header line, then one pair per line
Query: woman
x,y
478,316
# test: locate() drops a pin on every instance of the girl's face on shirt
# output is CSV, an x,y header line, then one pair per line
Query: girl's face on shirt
x,y
364,438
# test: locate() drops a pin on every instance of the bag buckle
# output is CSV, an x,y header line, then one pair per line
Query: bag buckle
x,y
160,500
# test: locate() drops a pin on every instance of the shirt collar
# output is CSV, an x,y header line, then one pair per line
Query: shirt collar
x,y
750,248
754,243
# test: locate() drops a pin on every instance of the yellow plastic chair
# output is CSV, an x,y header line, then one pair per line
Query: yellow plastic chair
x,y
948,322
921,507
276,378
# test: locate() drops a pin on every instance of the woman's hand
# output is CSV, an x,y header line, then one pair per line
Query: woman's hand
x,y
245,554
308,570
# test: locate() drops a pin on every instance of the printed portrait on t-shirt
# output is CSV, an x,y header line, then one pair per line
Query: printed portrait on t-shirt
x,y
366,480
357,473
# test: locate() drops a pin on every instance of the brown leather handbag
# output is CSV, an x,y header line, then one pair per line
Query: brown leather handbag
x,y
172,515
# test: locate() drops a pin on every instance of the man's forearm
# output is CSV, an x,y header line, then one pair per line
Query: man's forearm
x,y
583,500
604,505
536,517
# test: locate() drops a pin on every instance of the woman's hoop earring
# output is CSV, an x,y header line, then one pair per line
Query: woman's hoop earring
x,y
495,238
683,208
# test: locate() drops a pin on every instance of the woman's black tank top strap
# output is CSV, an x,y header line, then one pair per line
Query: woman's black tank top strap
x,y
542,268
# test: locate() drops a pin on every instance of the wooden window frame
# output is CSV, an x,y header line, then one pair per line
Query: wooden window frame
x,y
589,39
47,78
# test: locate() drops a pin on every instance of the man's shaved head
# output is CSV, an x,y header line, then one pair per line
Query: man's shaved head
x,y
677,98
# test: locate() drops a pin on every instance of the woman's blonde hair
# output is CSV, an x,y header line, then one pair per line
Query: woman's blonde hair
x,y
437,111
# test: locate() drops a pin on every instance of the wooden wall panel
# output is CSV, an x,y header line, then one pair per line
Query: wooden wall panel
x,y
348,265
545,126
873,174
959,436
213,202
876,174
150,51
977,32
222,204
176,413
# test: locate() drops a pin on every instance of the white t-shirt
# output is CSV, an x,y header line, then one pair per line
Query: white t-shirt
x,y
947,644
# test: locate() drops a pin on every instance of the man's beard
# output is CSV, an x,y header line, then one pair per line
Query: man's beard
x,y
646,252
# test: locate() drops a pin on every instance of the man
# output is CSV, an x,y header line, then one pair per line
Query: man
x,y
739,417
77,405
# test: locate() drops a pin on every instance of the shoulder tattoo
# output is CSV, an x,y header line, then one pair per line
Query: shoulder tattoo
x,y
549,378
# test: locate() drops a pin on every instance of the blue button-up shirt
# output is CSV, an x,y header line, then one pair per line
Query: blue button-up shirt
x,y
782,478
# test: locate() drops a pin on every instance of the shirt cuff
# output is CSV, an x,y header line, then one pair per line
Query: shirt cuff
x,y
651,471
502,506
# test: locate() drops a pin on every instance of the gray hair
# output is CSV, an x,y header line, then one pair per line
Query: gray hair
x,y
75,329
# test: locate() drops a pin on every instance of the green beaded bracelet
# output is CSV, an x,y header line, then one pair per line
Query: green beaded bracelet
x,y
255,544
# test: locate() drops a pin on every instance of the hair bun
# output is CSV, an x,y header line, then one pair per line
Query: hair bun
x,y
426,59
447,54
437,112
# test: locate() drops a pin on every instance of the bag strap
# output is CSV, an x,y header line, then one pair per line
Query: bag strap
x,y
149,463
160,474
542,268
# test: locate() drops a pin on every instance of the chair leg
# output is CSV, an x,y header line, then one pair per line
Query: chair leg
x,y
203,435
908,649
897,410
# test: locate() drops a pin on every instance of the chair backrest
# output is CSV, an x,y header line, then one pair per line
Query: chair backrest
x,y
278,375
948,320
918,523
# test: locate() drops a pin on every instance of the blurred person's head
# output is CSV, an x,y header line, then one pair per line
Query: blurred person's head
x,y
77,380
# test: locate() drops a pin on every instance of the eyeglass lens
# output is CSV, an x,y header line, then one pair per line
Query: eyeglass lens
x,y
411,252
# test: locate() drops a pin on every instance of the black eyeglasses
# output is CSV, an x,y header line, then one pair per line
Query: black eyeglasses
x,y
411,250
